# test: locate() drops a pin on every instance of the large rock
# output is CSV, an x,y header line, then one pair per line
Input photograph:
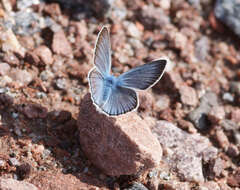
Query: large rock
x,y
12,184
183,152
121,145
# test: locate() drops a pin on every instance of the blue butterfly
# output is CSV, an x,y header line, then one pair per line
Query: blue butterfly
x,y
116,95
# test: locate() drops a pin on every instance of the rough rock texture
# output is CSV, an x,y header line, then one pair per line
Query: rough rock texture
x,y
60,181
60,44
100,8
199,116
228,11
151,17
41,56
125,140
184,152
12,184
188,95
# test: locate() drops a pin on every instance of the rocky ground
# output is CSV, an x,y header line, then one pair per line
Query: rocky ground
x,y
186,132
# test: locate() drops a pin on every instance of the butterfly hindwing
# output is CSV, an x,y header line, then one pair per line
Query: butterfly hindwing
x,y
121,100
144,76
96,83
102,53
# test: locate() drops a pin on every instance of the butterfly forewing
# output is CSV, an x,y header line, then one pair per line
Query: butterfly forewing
x,y
120,101
102,54
144,76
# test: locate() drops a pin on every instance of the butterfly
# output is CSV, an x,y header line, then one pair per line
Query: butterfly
x,y
117,95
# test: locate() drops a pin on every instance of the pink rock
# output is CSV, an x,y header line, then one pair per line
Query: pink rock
x,y
22,77
75,69
122,145
216,114
60,181
234,179
172,184
60,44
146,102
209,185
33,111
217,167
162,102
233,150
188,95
12,184
4,69
222,139
235,115
184,152
45,55
11,59
170,83
223,186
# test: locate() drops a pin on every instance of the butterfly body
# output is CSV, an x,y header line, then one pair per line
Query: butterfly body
x,y
109,83
116,95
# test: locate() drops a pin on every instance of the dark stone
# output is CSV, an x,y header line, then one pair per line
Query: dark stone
x,y
23,171
228,12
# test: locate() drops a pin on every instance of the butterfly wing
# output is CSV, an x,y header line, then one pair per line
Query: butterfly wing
x,y
144,76
102,52
121,100
96,83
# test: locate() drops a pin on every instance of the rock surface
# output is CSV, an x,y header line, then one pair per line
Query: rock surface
x,y
125,140
184,152
199,115
228,11
60,44
12,184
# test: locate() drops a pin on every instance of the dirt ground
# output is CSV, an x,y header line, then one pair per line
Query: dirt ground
x,y
46,53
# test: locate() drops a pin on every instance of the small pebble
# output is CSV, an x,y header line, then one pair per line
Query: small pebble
x,y
235,87
46,153
2,163
237,137
165,176
153,173
61,83
14,162
4,69
15,115
222,139
228,97
233,150
41,95
45,75
17,131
